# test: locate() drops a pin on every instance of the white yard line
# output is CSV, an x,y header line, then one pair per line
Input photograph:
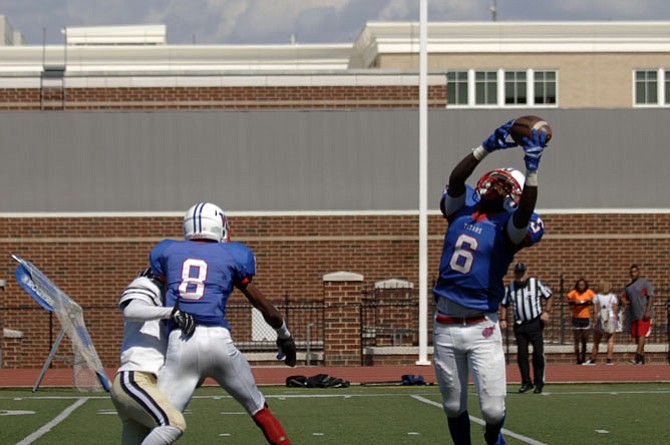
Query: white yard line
x,y
476,420
55,421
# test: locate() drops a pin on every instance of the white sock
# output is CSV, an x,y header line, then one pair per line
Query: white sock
x,y
163,435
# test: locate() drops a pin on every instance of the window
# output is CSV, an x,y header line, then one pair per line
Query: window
x,y
502,88
486,88
516,88
457,87
646,87
545,88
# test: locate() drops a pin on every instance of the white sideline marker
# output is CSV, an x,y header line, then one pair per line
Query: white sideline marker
x,y
478,421
55,421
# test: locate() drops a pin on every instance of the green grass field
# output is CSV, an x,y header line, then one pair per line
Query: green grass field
x,y
565,414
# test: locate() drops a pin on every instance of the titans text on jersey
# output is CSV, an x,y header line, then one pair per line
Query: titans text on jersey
x,y
476,255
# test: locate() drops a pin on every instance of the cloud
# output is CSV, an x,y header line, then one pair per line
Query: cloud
x,y
276,20
243,21
312,21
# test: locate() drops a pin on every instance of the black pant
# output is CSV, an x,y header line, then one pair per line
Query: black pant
x,y
530,333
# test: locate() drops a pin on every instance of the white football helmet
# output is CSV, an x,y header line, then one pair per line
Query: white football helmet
x,y
206,221
507,182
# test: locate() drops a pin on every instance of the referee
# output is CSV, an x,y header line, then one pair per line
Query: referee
x,y
525,294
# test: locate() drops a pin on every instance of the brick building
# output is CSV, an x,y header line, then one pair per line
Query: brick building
x,y
100,135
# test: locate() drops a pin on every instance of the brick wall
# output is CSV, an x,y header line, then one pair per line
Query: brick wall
x,y
93,258
202,98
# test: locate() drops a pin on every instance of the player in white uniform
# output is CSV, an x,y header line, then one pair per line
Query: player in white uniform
x,y
147,416
200,273
487,227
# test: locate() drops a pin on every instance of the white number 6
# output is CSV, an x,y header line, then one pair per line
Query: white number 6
x,y
463,257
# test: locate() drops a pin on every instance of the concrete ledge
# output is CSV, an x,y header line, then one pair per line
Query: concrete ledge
x,y
343,276
272,356
12,333
394,284
548,349
394,350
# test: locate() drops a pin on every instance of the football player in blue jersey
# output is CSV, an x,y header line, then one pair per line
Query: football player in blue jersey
x,y
200,273
488,225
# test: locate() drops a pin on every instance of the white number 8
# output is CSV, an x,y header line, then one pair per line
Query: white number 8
x,y
463,257
193,287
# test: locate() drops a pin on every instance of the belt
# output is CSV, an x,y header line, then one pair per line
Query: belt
x,y
527,321
445,319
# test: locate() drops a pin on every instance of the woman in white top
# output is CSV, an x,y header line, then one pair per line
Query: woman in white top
x,y
606,309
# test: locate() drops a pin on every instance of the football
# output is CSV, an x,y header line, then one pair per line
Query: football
x,y
524,125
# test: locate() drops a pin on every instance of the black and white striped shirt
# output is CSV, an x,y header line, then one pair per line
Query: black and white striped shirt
x,y
525,298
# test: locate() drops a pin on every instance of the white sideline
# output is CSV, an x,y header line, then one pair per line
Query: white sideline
x,y
478,421
55,421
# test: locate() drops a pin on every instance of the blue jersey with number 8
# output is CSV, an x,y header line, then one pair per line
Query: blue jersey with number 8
x,y
202,275
476,255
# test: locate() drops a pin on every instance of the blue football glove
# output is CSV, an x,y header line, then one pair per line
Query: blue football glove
x,y
498,140
533,148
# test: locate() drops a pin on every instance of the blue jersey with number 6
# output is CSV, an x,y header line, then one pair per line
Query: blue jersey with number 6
x,y
476,255
201,275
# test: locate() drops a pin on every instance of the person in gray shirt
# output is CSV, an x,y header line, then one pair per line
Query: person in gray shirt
x,y
638,296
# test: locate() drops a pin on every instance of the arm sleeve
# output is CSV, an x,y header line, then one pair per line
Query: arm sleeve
x,y
516,235
450,204
140,310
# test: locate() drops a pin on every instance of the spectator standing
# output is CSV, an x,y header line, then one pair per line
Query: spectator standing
x,y
580,300
638,296
531,313
606,308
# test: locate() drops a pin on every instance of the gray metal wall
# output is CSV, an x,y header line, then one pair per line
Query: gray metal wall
x,y
163,161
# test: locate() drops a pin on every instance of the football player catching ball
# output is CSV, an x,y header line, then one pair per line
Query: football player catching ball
x,y
488,225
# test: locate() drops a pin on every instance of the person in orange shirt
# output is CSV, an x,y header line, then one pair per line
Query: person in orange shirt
x,y
580,301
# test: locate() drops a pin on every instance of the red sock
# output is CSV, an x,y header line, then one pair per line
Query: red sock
x,y
272,429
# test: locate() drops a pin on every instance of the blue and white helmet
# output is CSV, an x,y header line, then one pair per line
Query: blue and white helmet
x,y
206,221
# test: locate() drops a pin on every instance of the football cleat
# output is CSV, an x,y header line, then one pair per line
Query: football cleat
x,y
206,221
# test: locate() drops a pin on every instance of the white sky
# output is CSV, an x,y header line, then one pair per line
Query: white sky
x,y
311,21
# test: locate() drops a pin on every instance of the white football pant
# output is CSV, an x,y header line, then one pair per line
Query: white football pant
x,y
477,348
209,352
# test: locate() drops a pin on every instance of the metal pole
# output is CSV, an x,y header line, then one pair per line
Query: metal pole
x,y
423,184
49,359
309,344
561,318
